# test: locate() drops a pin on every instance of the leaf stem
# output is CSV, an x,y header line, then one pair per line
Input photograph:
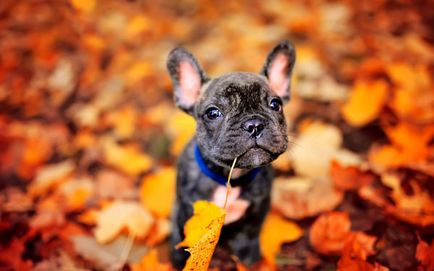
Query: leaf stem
x,y
228,183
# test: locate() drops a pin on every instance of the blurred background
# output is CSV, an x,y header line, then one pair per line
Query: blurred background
x,y
89,135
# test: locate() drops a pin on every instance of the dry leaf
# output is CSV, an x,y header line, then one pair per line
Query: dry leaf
x,y
300,197
84,6
77,192
275,231
355,111
150,262
159,232
157,192
122,215
329,232
350,177
107,256
126,158
424,253
202,232
49,176
417,208
181,127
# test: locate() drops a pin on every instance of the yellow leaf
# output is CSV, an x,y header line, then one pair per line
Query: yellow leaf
x,y
136,25
126,158
202,232
157,192
85,6
137,72
181,128
276,231
122,215
365,102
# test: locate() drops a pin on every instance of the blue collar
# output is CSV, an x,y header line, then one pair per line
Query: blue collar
x,y
216,177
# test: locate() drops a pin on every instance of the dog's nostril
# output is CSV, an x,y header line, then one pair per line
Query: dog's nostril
x,y
254,127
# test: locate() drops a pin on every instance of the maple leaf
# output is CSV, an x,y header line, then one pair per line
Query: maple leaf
x,y
202,232
276,231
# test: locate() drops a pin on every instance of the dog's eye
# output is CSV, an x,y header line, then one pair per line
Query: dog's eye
x,y
213,113
276,104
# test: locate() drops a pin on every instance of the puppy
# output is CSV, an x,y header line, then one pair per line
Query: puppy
x,y
238,114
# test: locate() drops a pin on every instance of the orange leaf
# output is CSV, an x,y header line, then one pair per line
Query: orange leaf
x,y
150,262
350,177
365,102
329,232
85,6
355,252
202,232
159,231
424,253
157,192
126,158
275,231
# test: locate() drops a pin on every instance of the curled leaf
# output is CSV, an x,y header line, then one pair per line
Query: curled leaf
x,y
202,232
276,231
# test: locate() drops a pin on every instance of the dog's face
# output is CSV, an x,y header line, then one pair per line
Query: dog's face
x,y
238,114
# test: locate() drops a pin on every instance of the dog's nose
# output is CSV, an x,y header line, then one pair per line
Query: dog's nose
x,y
254,127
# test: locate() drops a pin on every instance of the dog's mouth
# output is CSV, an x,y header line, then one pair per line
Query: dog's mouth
x,y
255,156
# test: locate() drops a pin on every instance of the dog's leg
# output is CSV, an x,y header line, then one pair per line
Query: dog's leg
x,y
178,256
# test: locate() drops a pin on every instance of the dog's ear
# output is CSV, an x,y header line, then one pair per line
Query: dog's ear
x,y
187,77
278,69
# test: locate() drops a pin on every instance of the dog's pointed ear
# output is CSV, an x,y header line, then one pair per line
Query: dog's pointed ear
x,y
278,69
187,77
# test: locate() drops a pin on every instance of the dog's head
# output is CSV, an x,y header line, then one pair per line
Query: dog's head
x,y
238,114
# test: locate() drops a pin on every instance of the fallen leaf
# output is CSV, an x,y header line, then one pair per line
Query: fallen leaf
x,y
424,254
14,200
202,232
107,256
274,232
126,158
300,197
314,149
159,232
329,232
417,208
77,192
350,177
49,176
157,192
84,6
150,262
122,215
374,94
181,128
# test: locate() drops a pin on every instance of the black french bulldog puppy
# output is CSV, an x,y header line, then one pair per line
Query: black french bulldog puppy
x,y
238,114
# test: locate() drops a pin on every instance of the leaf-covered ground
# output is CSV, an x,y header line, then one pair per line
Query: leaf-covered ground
x,y
89,135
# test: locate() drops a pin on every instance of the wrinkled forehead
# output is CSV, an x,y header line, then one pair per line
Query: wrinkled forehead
x,y
242,84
